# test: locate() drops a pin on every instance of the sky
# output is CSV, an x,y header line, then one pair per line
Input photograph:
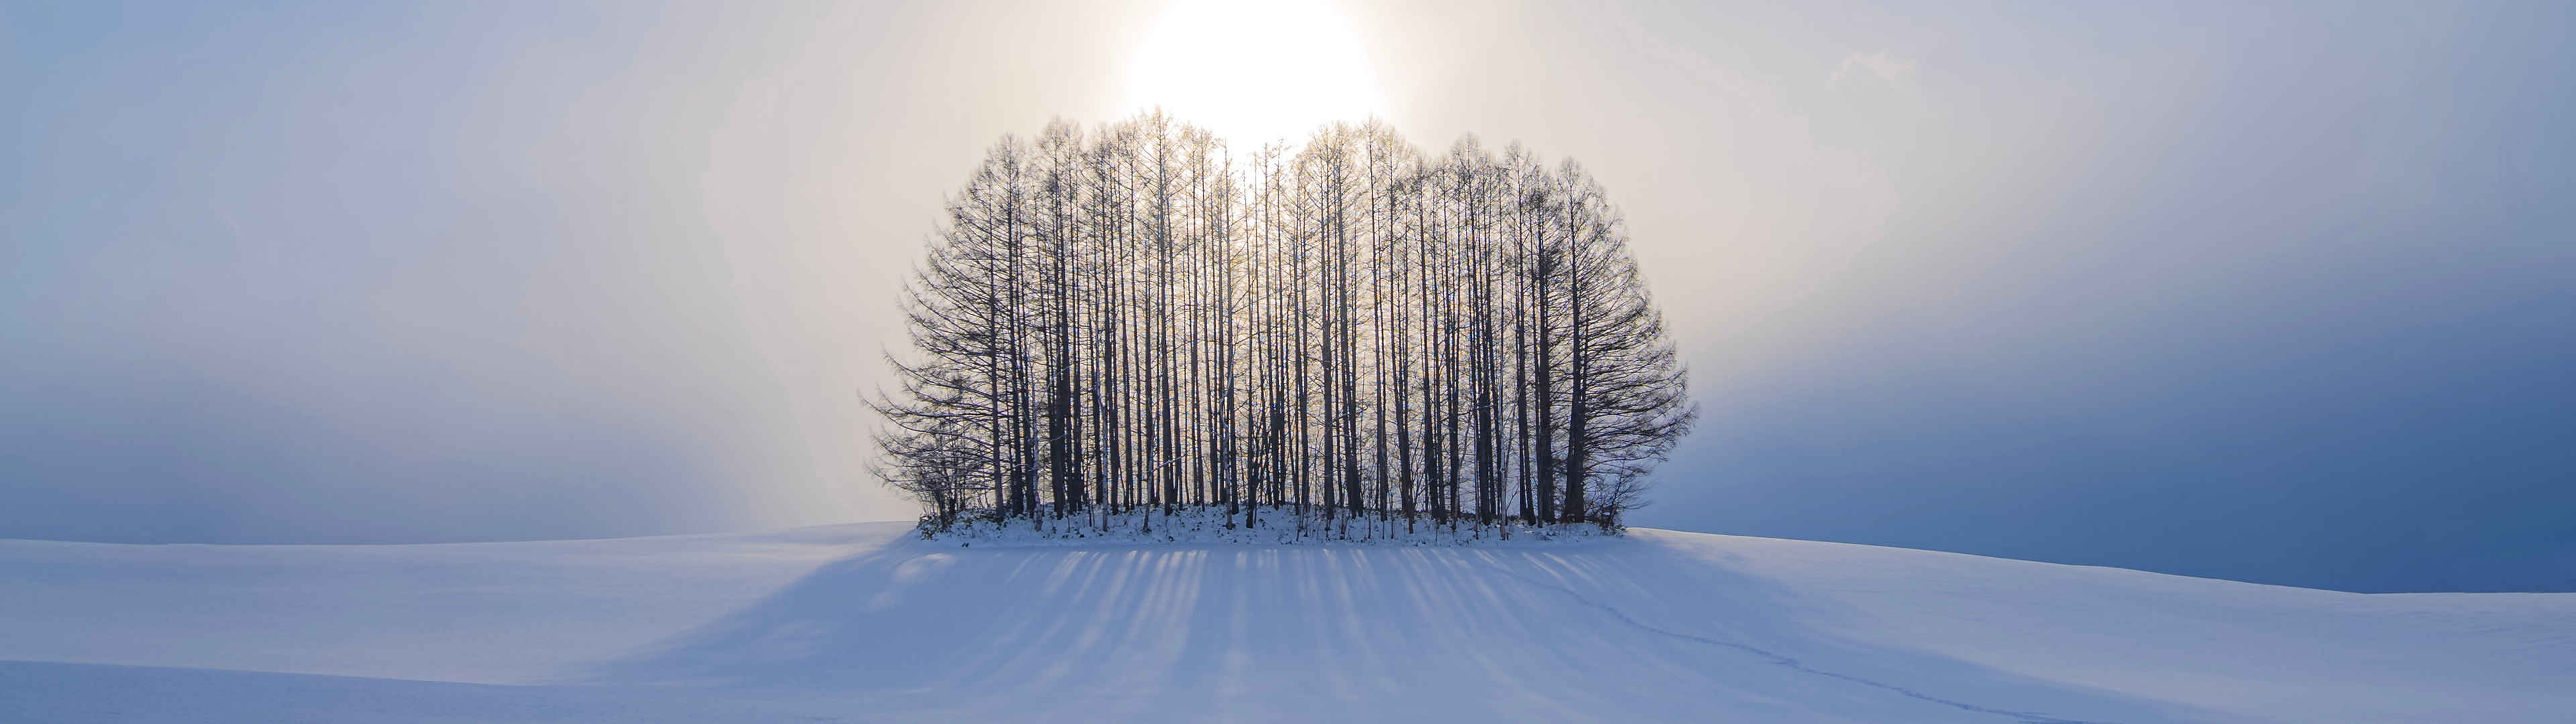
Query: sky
x,y
2271,292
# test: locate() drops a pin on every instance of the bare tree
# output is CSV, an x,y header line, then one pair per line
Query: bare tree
x,y
1130,323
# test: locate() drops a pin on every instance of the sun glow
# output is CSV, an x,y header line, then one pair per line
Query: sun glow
x,y
1254,71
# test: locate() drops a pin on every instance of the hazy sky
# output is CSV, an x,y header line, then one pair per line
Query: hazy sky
x,y
2279,293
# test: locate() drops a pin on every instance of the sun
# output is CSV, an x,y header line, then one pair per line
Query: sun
x,y
1253,71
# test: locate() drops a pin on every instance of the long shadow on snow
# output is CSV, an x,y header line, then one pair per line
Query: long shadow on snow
x,y
1619,628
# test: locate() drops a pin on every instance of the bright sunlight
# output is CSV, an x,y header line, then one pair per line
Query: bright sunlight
x,y
1255,71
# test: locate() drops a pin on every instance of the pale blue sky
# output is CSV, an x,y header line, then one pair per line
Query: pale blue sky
x,y
2274,293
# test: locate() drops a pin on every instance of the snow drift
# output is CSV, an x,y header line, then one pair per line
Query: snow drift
x,y
867,623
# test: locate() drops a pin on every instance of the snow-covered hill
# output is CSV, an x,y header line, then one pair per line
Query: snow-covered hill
x,y
863,623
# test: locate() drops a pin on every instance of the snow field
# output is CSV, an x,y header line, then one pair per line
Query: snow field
x,y
869,622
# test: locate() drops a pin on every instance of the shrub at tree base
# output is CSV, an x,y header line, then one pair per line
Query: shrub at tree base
x,y
1197,524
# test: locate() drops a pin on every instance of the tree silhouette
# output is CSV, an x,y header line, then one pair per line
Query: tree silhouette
x,y
1346,333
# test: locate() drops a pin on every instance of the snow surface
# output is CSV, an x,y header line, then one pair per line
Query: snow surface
x,y
869,623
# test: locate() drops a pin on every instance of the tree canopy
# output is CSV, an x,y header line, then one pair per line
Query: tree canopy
x,y
1139,318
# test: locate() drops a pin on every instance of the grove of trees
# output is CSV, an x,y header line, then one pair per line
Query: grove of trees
x,y
1137,318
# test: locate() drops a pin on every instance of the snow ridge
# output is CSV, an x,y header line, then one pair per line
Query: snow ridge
x,y
1775,658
